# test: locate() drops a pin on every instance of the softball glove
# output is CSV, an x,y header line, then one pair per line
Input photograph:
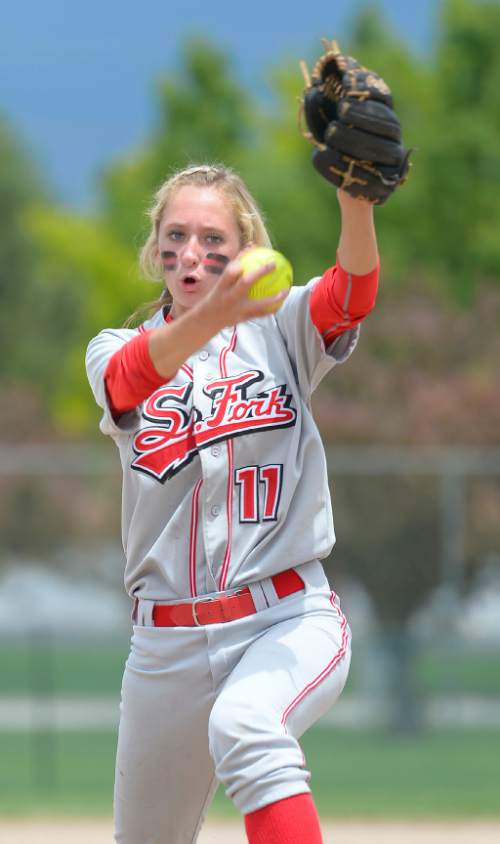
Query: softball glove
x,y
350,119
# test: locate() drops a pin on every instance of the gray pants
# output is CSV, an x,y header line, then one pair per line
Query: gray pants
x,y
224,703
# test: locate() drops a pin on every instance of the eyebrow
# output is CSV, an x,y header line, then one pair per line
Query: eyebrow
x,y
204,227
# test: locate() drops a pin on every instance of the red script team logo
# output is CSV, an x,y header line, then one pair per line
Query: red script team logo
x,y
178,431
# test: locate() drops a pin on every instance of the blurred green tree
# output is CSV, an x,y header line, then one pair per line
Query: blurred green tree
x,y
440,228
465,153
443,224
202,114
83,266
35,317
19,187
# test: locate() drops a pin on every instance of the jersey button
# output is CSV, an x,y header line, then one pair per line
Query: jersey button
x,y
215,450
215,510
203,355
208,376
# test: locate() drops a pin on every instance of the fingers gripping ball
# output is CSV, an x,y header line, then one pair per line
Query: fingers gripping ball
x,y
278,279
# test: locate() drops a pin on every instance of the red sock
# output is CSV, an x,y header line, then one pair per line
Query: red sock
x,y
293,820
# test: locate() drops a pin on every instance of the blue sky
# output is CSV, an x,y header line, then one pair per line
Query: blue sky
x,y
76,80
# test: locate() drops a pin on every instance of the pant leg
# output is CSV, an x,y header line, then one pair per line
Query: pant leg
x,y
164,779
288,678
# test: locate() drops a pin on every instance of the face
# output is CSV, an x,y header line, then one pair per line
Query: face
x,y
197,237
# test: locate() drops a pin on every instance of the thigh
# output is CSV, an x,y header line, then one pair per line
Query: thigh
x,y
297,669
290,675
164,777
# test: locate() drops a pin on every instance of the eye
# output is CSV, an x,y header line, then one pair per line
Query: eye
x,y
215,238
175,234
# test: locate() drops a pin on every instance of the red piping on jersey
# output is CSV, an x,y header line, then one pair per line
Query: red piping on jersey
x,y
230,483
229,514
340,300
328,669
193,532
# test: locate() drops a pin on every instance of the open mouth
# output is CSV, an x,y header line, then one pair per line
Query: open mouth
x,y
189,281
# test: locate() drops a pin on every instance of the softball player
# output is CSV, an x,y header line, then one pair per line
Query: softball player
x,y
238,643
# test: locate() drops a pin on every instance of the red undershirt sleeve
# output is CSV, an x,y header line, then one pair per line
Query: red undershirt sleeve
x,y
130,375
340,300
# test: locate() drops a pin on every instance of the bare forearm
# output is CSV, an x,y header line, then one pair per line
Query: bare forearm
x,y
171,345
227,303
357,249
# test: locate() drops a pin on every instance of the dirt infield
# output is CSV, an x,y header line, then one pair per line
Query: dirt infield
x,y
338,832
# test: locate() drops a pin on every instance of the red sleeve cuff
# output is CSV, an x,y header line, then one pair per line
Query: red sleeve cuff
x,y
130,375
341,300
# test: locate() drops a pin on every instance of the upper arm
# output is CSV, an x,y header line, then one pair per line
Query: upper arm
x,y
99,352
311,358
340,300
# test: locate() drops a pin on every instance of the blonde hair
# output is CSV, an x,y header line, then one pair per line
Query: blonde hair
x,y
230,185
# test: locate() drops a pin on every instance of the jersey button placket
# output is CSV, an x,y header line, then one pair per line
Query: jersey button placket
x,y
214,464
203,403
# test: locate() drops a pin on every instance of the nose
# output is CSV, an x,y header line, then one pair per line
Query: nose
x,y
190,254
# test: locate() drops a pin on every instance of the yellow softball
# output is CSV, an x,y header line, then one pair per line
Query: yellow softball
x,y
281,278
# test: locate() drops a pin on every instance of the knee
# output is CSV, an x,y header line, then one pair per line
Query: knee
x,y
239,733
231,726
255,758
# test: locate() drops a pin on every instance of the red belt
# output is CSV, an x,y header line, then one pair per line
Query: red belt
x,y
227,608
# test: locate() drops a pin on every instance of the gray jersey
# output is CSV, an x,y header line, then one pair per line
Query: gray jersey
x,y
224,473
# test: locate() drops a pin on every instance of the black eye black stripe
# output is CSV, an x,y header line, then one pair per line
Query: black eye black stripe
x,y
169,259
215,263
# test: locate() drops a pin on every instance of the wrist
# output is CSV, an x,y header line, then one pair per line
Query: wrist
x,y
354,206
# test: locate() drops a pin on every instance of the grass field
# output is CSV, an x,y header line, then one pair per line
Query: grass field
x,y
85,668
354,774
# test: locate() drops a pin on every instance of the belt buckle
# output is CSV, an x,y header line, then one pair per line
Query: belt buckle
x,y
193,607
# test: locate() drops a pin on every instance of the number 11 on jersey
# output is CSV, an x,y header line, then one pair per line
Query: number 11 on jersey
x,y
259,491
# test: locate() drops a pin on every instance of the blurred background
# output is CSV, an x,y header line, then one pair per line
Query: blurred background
x,y
97,104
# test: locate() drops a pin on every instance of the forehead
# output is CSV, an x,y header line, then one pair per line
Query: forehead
x,y
203,206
